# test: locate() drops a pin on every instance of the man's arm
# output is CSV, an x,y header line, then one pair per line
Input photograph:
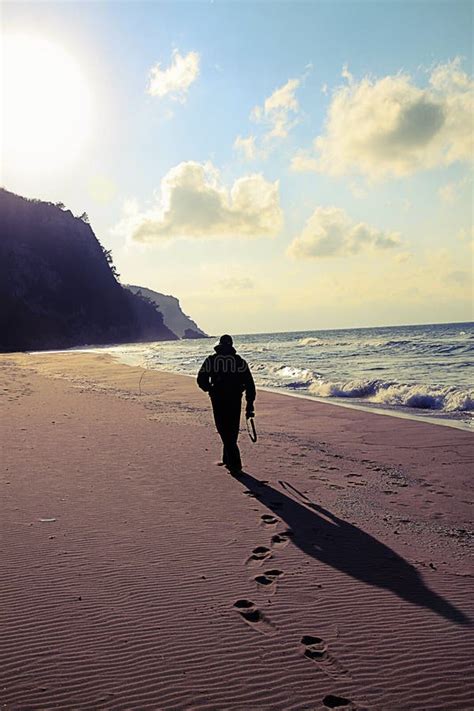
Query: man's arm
x,y
203,377
250,392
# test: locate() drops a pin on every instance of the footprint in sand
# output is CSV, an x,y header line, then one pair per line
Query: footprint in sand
x,y
269,579
268,519
331,701
259,554
281,540
315,648
253,617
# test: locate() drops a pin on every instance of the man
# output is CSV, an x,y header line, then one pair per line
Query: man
x,y
225,376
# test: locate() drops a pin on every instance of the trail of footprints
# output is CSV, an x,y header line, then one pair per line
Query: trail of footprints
x,y
314,648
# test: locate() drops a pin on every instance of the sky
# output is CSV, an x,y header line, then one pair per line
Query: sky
x,y
277,166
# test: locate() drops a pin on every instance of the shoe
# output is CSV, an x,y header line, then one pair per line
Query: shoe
x,y
235,472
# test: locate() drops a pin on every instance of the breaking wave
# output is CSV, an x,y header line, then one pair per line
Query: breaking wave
x,y
448,399
312,341
401,345
422,368
291,377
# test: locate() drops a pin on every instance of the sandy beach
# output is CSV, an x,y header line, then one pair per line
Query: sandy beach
x,y
137,574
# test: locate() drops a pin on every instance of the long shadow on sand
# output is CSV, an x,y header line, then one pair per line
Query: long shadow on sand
x,y
335,542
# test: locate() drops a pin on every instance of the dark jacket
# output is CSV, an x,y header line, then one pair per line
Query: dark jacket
x,y
226,373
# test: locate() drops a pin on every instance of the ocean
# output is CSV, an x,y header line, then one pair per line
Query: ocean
x,y
419,371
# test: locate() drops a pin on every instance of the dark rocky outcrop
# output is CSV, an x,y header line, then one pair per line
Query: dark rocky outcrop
x,y
58,288
191,333
173,316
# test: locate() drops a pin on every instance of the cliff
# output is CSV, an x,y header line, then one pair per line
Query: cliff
x,y
173,316
57,286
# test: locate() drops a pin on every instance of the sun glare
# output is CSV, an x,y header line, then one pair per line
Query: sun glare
x,y
46,106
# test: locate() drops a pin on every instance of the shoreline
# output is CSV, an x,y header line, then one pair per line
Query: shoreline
x,y
137,574
379,410
374,408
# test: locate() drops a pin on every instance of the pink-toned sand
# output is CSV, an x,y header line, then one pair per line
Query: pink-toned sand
x,y
136,574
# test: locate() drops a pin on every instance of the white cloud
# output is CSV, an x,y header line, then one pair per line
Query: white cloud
x,y
246,146
279,110
304,162
176,79
345,74
194,203
277,116
130,207
330,232
390,127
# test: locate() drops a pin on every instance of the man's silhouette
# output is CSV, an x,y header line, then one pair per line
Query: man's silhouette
x,y
226,376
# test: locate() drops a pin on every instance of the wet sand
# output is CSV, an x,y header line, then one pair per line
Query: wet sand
x,y
136,574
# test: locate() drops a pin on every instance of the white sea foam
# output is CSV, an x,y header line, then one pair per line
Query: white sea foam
x,y
291,377
352,388
425,367
390,347
448,399
310,341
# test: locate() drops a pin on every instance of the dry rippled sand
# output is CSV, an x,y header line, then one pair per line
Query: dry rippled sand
x,y
138,575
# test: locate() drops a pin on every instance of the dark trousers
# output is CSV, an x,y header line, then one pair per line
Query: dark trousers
x,y
226,410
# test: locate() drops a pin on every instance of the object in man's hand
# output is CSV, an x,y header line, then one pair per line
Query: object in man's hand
x,y
251,429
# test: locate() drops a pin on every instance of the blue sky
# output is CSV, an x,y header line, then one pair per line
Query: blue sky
x,y
370,226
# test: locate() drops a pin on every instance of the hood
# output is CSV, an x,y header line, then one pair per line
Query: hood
x,y
224,350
